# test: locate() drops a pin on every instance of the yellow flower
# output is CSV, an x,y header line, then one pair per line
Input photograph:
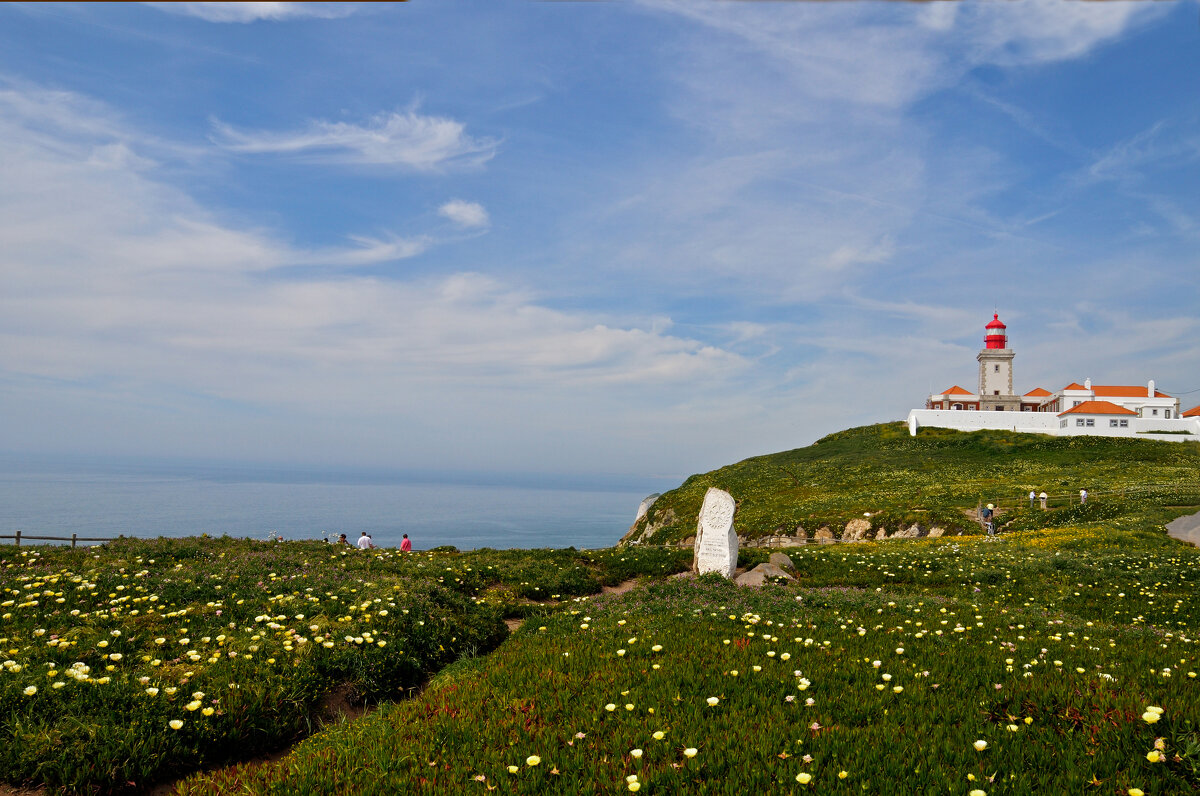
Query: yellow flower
x,y
610,707
843,774
193,705
1136,792
689,752
712,701
175,724
635,753
513,769
31,690
1154,756
533,760
978,792
1150,717
659,735
980,745
635,786
804,777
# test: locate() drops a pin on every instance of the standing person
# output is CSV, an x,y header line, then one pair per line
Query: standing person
x,y
406,545
1082,497
987,519
343,540
364,542
1032,495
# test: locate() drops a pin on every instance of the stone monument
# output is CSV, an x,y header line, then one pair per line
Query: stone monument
x,y
716,546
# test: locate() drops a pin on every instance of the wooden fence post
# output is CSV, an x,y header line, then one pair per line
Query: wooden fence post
x,y
72,541
18,538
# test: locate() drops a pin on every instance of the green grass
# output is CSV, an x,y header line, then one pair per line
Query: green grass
x,y
238,642
930,480
910,652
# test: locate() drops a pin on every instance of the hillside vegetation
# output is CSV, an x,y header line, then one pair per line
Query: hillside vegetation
x,y
935,480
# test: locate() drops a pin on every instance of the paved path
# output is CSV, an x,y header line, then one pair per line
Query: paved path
x,y
1186,529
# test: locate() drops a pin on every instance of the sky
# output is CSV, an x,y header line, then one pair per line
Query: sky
x,y
587,239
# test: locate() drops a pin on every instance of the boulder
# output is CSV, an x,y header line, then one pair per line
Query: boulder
x,y
824,535
935,532
856,530
881,534
782,561
911,532
760,575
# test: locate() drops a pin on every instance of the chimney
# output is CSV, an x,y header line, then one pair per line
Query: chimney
x,y
1087,384
1150,389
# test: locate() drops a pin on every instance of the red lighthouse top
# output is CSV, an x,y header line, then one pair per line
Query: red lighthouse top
x,y
996,337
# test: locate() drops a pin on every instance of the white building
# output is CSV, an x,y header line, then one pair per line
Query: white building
x,y
1102,410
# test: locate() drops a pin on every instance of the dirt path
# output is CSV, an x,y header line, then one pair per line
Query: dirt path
x,y
1186,529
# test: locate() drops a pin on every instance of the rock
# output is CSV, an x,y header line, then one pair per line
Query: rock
x,y
688,542
911,532
716,547
645,505
935,532
782,561
824,535
856,530
881,534
761,574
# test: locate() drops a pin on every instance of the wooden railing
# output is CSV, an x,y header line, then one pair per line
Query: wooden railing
x,y
73,538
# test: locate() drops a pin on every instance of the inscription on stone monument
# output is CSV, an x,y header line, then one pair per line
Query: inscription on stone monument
x,y
716,546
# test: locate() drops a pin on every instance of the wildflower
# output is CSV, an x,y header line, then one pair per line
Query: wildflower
x,y
843,774
712,701
621,653
978,792
980,745
610,707
659,735
1150,717
1013,728
804,777
635,786
513,769
1154,756
690,752
175,724
193,705
635,753
1136,792
533,760
1160,744
207,711
31,690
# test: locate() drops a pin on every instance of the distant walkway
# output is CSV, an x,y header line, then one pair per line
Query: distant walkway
x,y
1186,529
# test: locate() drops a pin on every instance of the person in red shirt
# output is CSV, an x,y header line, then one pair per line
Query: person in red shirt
x,y
406,545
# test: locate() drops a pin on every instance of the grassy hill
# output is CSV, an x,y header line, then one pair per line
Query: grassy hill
x,y
934,480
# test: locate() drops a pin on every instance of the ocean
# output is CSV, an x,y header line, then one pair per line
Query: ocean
x,y
58,502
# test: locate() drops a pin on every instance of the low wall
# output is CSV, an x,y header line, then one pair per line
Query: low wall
x,y
971,420
1047,423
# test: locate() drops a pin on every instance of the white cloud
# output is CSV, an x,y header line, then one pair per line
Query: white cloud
x,y
465,214
407,140
253,12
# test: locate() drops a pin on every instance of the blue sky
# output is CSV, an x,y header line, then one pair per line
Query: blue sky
x,y
638,238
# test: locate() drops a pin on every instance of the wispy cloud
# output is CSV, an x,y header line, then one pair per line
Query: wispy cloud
x,y
402,139
465,214
253,12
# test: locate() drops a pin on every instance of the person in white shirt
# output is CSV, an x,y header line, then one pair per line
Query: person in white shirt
x,y
364,542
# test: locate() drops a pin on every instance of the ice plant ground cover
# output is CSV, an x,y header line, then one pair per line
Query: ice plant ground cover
x,y
930,479
126,664
1054,661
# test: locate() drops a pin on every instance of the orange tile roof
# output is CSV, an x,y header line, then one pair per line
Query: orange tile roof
x,y
956,390
1193,412
1119,391
1098,408
1074,386
1038,392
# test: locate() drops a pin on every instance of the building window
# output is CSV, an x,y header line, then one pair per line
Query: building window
x,y
1074,404
1091,422
995,392
1026,408
1124,424
1079,421
998,408
1154,412
957,406
1112,423
1062,424
997,369
1167,413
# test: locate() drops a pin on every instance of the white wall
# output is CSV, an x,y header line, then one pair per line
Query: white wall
x,y
1048,423
1031,422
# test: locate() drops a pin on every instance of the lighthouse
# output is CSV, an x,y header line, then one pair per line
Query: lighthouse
x,y
995,370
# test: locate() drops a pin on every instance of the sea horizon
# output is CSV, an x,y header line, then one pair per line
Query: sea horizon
x,y
58,496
